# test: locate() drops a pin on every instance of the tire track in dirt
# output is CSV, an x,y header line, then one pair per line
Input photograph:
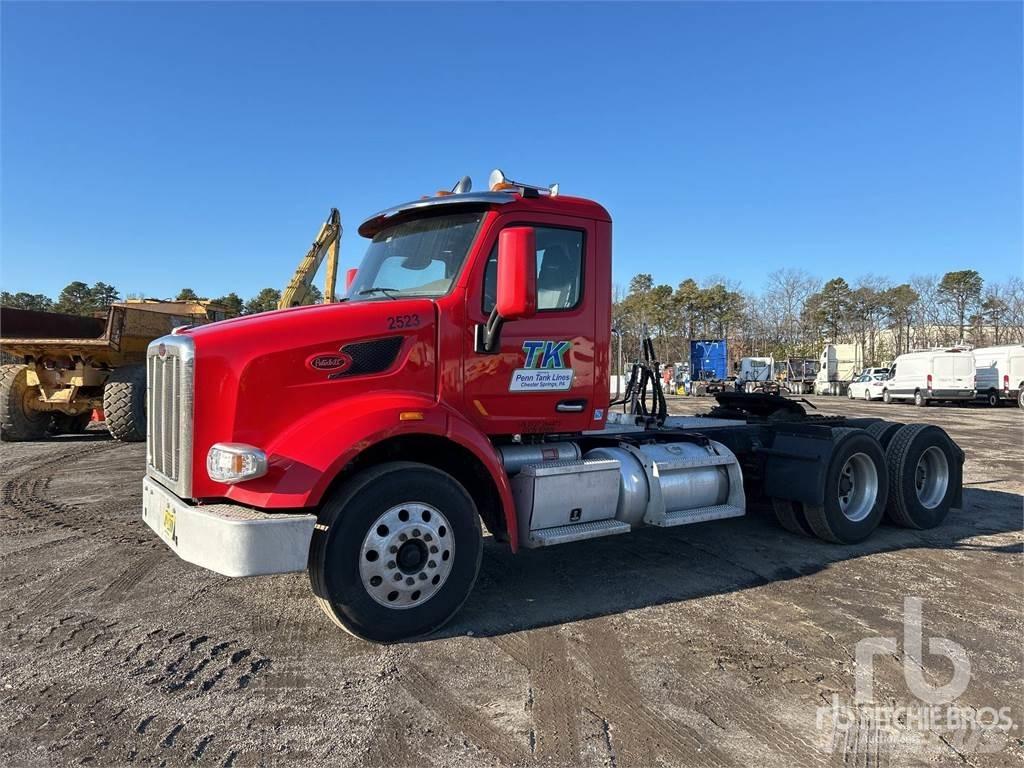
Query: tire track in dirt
x,y
132,575
638,735
455,715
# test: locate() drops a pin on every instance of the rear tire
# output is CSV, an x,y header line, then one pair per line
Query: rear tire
x,y
856,487
17,420
790,515
373,571
124,403
924,474
920,400
883,432
1020,397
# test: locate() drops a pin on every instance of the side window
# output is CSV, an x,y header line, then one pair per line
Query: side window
x,y
559,270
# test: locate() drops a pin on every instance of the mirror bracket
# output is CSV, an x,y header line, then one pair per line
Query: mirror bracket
x,y
488,335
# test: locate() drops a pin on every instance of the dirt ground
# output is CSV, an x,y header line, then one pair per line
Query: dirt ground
x,y
716,644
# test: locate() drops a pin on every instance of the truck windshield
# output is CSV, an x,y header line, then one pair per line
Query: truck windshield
x,y
421,257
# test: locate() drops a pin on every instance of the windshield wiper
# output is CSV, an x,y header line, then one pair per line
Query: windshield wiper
x,y
389,292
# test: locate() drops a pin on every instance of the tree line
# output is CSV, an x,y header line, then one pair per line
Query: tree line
x,y
797,314
78,298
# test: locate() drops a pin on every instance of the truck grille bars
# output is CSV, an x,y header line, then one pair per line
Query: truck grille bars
x,y
170,369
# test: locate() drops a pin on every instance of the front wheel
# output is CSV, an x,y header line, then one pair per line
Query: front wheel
x,y
992,399
18,420
867,395
124,403
396,552
849,393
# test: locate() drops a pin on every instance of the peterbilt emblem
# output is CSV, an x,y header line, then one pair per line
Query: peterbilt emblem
x,y
333,362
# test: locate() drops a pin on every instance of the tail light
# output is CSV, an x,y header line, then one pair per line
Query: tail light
x,y
929,381
1006,382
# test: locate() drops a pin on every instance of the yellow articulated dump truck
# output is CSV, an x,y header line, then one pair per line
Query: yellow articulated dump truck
x,y
68,365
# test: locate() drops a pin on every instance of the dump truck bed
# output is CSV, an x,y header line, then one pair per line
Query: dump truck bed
x,y
120,338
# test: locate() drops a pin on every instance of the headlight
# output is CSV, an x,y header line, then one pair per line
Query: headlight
x,y
235,462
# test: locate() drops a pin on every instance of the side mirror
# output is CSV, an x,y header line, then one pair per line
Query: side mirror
x,y
517,273
350,277
516,286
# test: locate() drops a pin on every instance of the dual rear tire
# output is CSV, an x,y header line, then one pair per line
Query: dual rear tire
x,y
907,474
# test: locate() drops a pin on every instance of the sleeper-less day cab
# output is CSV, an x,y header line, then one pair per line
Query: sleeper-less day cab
x,y
462,383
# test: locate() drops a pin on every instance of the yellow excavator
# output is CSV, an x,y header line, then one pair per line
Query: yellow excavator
x,y
326,246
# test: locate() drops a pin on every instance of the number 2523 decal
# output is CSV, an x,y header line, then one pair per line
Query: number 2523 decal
x,y
396,322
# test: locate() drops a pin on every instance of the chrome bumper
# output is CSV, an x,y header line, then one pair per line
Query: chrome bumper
x,y
226,538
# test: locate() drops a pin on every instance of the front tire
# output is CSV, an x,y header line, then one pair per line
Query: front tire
x,y
886,397
992,399
17,419
867,394
396,552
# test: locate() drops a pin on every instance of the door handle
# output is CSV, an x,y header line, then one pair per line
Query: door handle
x,y
571,406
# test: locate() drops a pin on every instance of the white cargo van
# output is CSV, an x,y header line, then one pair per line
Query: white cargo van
x,y
999,373
935,374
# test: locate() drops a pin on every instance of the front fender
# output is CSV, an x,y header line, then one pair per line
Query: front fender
x,y
306,458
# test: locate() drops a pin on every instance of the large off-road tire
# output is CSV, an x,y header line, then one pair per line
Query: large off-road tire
x,y
67,424
124,403
924,473
856,486
396,552
17,420
883,431
790,515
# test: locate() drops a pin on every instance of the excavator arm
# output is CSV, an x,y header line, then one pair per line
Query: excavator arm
x,y
326,245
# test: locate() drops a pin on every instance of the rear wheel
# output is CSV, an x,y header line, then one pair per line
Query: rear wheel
x,y
924,473
790,515
124,403
1020,397
856,486
919,399
396,552
18,421
883,431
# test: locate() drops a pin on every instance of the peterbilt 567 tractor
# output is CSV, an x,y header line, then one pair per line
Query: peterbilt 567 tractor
x,y
461,383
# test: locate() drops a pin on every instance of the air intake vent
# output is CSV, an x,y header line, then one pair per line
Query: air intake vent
x,y
370,356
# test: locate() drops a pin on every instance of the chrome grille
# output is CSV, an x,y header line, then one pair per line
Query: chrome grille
x,y
169,393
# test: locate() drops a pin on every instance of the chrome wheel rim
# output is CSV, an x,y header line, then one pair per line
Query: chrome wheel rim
x,y
931,477
407,555
858,487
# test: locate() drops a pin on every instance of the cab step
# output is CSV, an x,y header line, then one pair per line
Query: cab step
x,y
563,534
698,515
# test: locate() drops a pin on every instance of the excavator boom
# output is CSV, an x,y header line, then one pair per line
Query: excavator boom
x,y
326,245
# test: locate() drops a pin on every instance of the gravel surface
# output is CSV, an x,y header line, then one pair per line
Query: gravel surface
x,y
713,644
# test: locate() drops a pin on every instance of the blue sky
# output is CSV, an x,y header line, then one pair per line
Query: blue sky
x,y
158,146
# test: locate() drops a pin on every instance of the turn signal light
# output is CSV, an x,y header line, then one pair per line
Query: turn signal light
x,y
235,462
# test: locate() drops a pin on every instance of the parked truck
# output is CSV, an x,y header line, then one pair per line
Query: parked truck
x,y
709,366
69,365
462,384
840,363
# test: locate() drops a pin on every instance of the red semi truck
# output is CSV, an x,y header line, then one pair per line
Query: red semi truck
x,y
461,383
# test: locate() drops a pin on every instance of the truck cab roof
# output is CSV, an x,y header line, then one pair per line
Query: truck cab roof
x,y
557,204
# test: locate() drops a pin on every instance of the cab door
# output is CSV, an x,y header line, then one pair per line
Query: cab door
x,y
542,378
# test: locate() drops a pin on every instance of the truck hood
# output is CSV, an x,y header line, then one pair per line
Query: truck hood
x,y
256,376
